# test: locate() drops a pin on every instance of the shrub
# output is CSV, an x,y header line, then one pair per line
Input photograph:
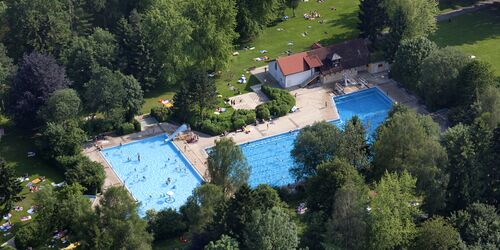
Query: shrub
x,y
248,117
281,102
137,125
239,123
161,114
98,126
166,224
213,128
126,128
27,236
263,112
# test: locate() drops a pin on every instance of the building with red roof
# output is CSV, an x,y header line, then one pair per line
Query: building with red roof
x,y
328,64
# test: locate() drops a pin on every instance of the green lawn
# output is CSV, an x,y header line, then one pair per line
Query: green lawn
x,y
449,5
339,25
475,33
13,148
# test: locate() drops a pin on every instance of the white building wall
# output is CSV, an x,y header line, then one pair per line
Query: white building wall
x,y
378,67
275,71
297,78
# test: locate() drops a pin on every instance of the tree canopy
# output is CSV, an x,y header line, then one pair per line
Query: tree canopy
x,y
10,187
62,105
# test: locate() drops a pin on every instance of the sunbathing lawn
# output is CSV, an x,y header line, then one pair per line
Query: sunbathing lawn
x,y
13,148
338,26
449,5
475,33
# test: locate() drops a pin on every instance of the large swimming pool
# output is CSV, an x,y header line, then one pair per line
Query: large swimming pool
x,y
161,171
270,157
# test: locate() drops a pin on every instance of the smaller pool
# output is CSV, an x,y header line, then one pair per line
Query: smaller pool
x,y
147,179
270,158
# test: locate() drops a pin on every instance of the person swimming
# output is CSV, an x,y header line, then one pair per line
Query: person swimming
x,y
138,157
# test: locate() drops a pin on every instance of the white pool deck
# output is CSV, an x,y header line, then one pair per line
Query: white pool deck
x,y
310,101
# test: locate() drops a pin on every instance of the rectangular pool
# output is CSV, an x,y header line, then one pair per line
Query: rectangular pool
x,y
270,158
147,178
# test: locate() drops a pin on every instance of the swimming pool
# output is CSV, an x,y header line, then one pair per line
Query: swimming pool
x,y
147,178
270,159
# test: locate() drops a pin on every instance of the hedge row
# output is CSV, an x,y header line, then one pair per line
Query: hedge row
x,y
218,124
161,114
281,103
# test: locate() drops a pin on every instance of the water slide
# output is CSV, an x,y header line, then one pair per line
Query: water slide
x,y
180,129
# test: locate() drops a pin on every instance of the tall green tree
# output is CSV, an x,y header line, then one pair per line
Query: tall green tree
x,y
213,23
201,206
439,77
252,16
371,19
479,226
61,140
224,243
85,53
80,169
392,212
408,61
437,233
293,4
313,145
6,69
353,145
347,227
203,91
410,142
273,229
10,187
473,79
487,107
166,224
227,166
330,177
37,25
493,165
120,225
62,105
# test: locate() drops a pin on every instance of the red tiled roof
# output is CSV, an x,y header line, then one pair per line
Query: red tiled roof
x,y
293,63
313,61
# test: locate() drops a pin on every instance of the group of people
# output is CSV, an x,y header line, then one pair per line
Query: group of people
x,y
311,16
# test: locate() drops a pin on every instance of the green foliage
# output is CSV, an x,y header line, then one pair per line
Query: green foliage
x,y
479,226
438,234
439,79
161,114
61,140
473,79
272,229
253,16
26,236
84,53
224,243
37,25
330,177
392,212
126,128
487,107
62,105
293,4
408,61
410,142
80,169
10,187
281,102
199,209
165,224
353,145
6,69
314,144
262,112
315,233
97,126
371,19
137,125
227,166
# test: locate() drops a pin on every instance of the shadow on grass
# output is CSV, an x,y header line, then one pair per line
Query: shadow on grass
x,y
346,21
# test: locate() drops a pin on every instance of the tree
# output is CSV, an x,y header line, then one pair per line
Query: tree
x,y
80,169
252,16
213,23
271,230
438,234
37,25
372,19
330,177
473,79
313,145
408,19
440,71
62,105
165,224
170,34
6,70
347,227
224,243
408,61
199,209
37,77
85,53
392,212
61,140
120,225
410,142
114,94
493,165
293,4
487,107
479,226
227,166
10,187
353,145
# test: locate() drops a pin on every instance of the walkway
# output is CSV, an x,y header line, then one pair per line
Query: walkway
x,y
464,10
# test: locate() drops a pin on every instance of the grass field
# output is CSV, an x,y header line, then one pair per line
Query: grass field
x,y
476,33
13,148
338,25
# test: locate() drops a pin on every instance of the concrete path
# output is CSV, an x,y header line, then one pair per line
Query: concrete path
x,y
464,10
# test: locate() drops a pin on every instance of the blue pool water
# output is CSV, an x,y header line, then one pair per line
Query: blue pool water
x,y
270,159
147,179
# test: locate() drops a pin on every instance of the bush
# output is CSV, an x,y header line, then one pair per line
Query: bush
x,y
166,224
161,114
27,236
263,112
137,125
238,124
80,169
247,116
126,128
98,126
214,127
281,103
